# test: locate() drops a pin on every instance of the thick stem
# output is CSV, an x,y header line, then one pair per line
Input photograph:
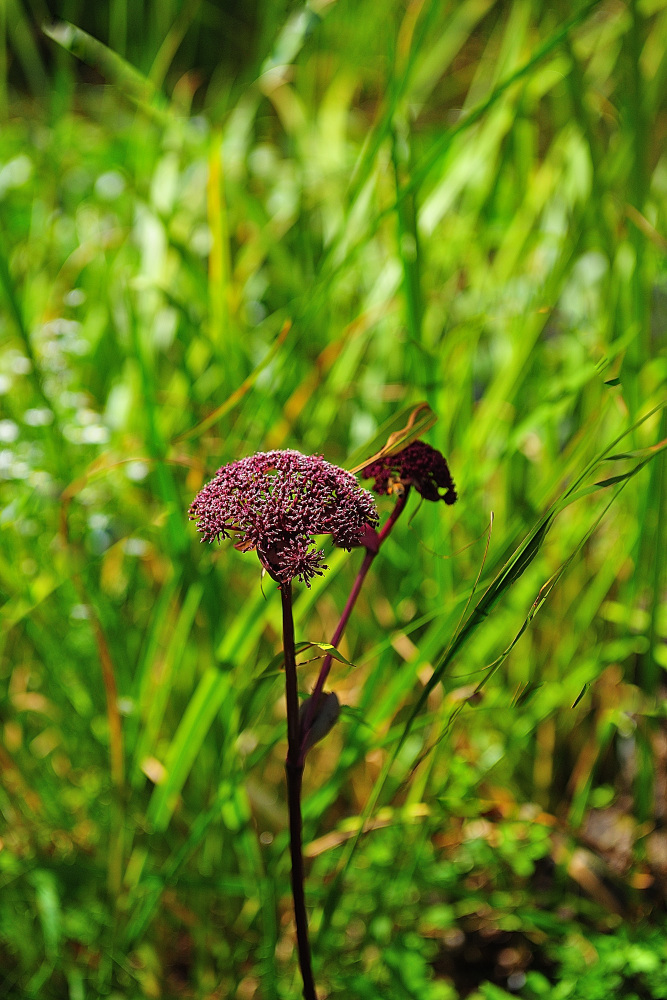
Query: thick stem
x,y
291,683
381,537
294,773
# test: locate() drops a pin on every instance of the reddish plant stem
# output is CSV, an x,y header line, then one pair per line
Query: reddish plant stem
x,y
371,553
294,774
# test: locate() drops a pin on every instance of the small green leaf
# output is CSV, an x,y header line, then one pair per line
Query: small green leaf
x,y
331,651
275,665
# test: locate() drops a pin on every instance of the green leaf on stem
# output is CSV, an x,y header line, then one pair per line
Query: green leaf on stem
x,y
275,666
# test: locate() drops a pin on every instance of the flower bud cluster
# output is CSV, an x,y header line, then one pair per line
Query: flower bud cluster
x,y
275,501
418,465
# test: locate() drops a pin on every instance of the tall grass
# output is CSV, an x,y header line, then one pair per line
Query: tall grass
x,y
459,203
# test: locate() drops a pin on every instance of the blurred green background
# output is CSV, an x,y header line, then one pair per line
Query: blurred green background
x,y
227,228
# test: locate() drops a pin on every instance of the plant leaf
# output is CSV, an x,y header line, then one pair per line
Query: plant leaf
x,y
326,717
274,666
137,87
407,425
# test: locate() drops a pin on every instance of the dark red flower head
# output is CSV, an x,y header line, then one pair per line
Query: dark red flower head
x,y
418,465
275,501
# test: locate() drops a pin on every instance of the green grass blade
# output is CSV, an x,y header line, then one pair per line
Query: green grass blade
x,y
202,709
129,81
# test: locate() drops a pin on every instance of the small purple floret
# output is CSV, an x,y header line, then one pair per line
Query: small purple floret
x,y
418,465
275,501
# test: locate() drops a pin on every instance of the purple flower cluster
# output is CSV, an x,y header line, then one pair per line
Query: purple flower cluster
x,y
418,465
275,501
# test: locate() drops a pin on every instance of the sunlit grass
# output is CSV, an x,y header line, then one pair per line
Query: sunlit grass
x,y
471,213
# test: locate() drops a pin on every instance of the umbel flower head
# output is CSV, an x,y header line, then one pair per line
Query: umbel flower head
x,y
418,465
275,501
